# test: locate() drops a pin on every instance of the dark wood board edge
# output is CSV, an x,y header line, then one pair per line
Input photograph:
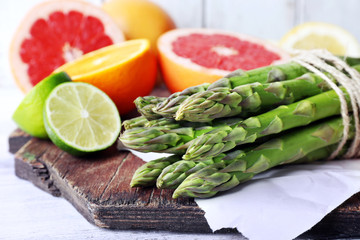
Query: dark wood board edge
x,y
28,167
17,139
126,216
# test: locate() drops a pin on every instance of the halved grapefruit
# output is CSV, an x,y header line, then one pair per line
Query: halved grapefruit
x,y
190,57
56,32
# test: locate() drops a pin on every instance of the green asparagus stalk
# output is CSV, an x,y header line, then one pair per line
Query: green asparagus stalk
x,y
147,174
135,122
167,135
170,105
142,122
248,99
286,148
267,74
275,121
146,104
320,154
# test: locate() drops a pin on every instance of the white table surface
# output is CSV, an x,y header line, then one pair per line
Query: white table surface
x,y
29,213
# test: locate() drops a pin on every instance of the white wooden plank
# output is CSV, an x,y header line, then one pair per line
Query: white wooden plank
x,y
343,13
265,19
185,13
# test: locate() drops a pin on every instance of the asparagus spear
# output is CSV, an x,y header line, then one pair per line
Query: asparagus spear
x,y
146,104
249,98
267,74
147,174
142,122
320,154
277,120
170,105
135,122
286,148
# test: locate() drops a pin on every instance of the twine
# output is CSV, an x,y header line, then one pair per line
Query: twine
x,y
321,62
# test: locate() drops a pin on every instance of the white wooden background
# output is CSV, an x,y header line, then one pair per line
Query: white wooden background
x,y
27,212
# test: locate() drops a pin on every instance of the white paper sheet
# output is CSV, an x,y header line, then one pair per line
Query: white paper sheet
x,y
282,203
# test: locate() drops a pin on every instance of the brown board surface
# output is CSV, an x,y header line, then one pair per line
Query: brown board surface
x,y
98,187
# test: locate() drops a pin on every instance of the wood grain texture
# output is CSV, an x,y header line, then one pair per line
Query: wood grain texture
x,y
98,187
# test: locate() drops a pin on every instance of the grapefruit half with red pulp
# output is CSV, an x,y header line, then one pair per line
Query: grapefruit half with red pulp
x,y
56,32
190,57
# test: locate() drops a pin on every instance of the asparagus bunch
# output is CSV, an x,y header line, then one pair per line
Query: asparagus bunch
x,y
201,140
205,161
286,148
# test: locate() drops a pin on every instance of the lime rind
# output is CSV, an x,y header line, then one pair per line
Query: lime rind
x,y
80,118
28,115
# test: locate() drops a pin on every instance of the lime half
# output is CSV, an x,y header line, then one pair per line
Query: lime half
x,y
29,114
80,118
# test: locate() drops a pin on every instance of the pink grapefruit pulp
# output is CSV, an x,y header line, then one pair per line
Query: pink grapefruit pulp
x,y
56,32
190,57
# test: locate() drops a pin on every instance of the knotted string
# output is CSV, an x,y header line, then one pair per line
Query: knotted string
x,y
323,63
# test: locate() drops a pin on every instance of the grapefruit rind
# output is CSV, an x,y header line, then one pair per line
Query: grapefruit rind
x,y
180,73
43,10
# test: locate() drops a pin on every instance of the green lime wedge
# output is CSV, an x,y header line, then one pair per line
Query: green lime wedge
x,y
29,114
80,118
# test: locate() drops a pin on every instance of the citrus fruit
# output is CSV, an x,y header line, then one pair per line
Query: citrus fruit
x,y
79,118
139,18
29,114
190,57
124,71
319,35
56,32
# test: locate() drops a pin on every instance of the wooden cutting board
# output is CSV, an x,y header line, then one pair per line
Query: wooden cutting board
x,y
98,187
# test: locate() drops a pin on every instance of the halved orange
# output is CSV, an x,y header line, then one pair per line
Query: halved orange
x,y
55,32
124,71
